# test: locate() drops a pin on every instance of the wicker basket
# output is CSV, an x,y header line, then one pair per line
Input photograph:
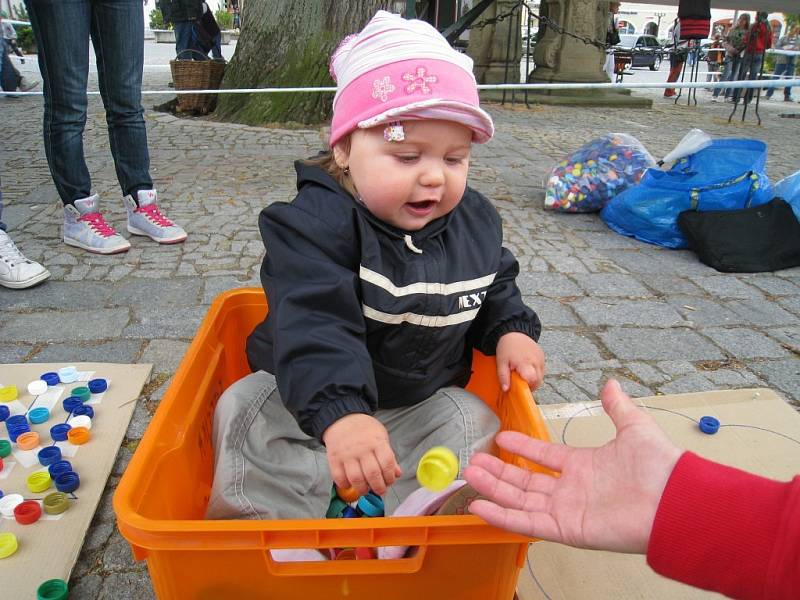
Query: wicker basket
x,y
197,75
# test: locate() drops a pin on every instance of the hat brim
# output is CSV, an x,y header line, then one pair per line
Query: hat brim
x,y
473,117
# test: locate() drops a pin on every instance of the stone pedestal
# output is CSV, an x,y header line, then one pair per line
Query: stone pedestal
x,y
564,59
558,58
489,46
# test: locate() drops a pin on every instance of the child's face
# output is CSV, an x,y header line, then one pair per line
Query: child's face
x,y
410,183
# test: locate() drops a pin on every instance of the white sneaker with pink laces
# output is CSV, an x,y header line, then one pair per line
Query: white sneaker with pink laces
x,y
85,227
145,218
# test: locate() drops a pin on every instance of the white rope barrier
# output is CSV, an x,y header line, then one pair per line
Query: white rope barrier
x,y
745,84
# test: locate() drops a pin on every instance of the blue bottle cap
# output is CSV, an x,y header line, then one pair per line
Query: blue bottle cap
x,y
4,412
49,455
50,378
370,505
709,425
59,467
84,409
39,415
97,386
67,482
59,432
71,403
349,513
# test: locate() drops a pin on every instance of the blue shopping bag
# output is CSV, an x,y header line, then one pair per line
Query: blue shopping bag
x,y
726,175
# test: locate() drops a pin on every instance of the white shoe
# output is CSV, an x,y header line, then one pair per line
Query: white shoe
x,y
16,271
85,227
145,218
26,85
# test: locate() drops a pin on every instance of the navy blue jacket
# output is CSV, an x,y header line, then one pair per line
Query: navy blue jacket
x,y
363,315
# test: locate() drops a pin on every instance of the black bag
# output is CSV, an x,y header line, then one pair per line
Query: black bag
x,y
748,240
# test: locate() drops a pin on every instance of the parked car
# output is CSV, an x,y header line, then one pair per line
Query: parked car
x,y
645,49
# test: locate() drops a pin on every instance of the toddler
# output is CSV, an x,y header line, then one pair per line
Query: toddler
x,y
382,275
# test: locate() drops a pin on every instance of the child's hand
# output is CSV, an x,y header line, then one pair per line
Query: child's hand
x,y
359,454
518,352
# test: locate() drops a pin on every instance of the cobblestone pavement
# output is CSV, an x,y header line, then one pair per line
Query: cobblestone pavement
x,y
656,319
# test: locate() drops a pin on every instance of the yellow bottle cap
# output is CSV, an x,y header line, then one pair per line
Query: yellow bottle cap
x,y
8,544
8,393
437,468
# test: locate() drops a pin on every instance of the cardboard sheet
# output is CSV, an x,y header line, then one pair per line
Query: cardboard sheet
x,y
49,548
754,423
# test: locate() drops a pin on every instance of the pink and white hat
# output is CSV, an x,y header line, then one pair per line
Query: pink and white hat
x,y
397,69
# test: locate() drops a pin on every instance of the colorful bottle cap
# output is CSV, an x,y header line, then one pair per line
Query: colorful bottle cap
x,y
39,481
27,512
78,435
2,466
84,409
16,426
8,503
370,505
349,513
28,440
8,544
345,554
98,386
81,392
68,374
80,421
8,393
37,387
347,494
40,414
53,589
5,448
437,468
59,468
59,432
68,482
49,455
709,425
5,412
335,508
55,503
51,378
365,553
70,403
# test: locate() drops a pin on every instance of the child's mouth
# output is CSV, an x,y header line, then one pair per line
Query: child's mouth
x,y
421,208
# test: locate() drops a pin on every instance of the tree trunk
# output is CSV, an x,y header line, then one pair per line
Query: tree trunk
x,y
288,43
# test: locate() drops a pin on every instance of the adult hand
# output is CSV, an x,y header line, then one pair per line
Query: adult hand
x,y
518,352
359,454
605,498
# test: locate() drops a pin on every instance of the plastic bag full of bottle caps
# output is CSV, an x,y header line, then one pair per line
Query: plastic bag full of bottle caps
x,y
590,177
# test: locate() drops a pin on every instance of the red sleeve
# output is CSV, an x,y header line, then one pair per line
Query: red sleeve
x,y
728,531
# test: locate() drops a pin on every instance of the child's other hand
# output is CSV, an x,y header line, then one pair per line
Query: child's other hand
x,y
518,352
359,454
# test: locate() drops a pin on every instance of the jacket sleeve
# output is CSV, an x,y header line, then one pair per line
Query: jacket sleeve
x,y
321,362
503,310
729,531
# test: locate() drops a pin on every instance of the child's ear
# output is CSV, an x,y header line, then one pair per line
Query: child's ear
x,y
341,156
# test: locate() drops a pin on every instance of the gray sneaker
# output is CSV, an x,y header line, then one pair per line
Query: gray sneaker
x,y
145,218
85,227
16,271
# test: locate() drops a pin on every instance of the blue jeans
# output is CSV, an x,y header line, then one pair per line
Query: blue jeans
x,y
785,68
184,31
730,69
750,68
62,29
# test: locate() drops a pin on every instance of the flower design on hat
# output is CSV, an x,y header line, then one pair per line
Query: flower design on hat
x,y
381,88
419,80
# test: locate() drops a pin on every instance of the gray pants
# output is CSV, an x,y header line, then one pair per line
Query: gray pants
x,y
265,467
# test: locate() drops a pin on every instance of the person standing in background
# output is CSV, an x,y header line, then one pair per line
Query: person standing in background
x,y
116,27
757,41
677,57
784,64
734,46
183,14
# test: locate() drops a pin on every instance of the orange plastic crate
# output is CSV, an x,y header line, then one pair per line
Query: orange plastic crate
x,y
161,500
